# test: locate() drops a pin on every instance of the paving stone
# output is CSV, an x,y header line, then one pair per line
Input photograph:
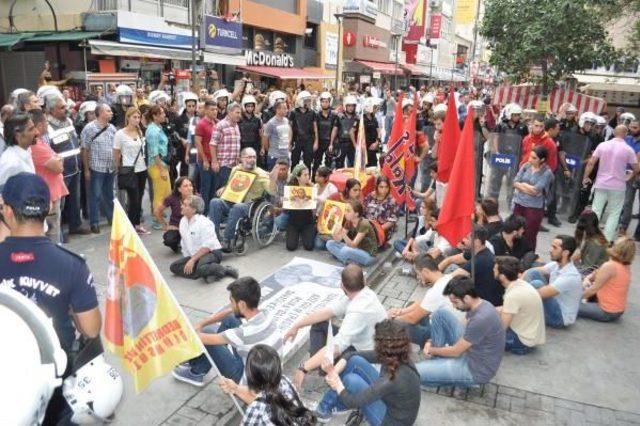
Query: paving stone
x,y
191,413
517,405
625,416
600,415
506,390
209,420
178,420
460,393
533,401
566,416
391,292
547,403
572,405
392,302
445,390
503,402
216,402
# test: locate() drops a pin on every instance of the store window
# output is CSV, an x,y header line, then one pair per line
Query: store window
x,y
247,38
384,6
311,36
262,40
284,43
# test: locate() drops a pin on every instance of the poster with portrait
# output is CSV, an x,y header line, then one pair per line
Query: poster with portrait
x,y
238,186
300,198
332,215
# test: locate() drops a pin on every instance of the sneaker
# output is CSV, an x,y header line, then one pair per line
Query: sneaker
x,y
322,417
95,229
184,373
355,418
156,225
226,246
141,231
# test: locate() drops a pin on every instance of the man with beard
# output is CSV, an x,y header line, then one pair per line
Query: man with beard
x,y
20,133
224,328
327,130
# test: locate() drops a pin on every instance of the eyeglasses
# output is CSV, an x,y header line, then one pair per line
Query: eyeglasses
x,y
249,156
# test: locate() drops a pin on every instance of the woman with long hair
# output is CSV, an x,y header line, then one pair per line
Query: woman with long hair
x,y
270,396
379,206
356,241
609,284
158,155
352,191
302,223
531,184
128,152
591,242
389,397
182,190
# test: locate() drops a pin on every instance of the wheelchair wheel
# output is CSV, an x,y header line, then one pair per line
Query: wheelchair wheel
x,y
264,225
239,242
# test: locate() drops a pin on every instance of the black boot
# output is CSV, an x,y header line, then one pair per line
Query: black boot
x,y
553,220
212,272
231,272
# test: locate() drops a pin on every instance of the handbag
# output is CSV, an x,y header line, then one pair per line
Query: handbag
x,y
127,174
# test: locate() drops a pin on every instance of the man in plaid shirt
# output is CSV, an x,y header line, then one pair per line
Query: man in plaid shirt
x,y
225,145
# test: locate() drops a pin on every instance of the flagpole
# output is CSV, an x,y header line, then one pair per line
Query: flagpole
x,y
473,228
173,298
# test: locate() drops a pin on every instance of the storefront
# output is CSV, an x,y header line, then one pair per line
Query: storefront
x,y
221,41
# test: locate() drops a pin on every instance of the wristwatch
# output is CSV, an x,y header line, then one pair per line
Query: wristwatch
x,y
301,367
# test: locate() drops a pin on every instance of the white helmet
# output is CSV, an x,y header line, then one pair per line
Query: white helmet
x,y
370,103
440,108
14,95
276,96
303,96
428,98
189,96
35,364
85,107
587,117
600,121
124,90
569,107
511,109
158,96
325,95
222,93
406,102
626,118
350,100
475,104
44,91
94,390
248,99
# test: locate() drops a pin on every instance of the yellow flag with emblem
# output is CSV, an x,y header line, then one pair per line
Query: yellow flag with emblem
x,y
144,324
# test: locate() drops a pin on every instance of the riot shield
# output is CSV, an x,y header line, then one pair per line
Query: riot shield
x,y
576,147
505,162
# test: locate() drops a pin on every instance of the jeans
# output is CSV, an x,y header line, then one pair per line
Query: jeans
x,y
71,203
53,220
614,202
200,269
219,210
295,233
388,124
318,334
445,330
514,345
594,311
282,220
221,178
134,198
228,362
346,254
418,333
358,375
207,184
101,196
399,245
320,242
633,186
552,312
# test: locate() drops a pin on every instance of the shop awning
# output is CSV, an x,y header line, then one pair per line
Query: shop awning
x,y
287,73
8,40
382,67
223,58
611,87
111,48
64,36
418,70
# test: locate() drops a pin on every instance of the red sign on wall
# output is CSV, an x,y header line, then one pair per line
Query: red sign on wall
x,y
370,41
348,39
435,25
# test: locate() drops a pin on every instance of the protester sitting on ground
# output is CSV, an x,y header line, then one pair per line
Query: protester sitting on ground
x,y
458,355
486,285
430,192
592,244
531,186
559,283
182,190
388,396
356,241
258,327
360,311
487,215
325,188
509,241
416,316
379,206
409,249
609,284
301,224
200,246
278,178
269,394
522,313
223,211
352,191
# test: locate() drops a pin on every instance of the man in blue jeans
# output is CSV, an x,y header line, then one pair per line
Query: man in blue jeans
x,y
458,355
257,327
559,283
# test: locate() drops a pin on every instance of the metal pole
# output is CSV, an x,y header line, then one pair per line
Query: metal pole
x,y
338,58
396,64
475,31
192,4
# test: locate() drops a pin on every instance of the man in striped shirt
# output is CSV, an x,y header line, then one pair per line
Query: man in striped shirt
x,y
242,325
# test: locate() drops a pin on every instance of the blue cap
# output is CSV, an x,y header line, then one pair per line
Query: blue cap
x,y
27,193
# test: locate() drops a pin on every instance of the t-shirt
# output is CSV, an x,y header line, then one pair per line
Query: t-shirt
x,y
53,277
434,299
360,316
259,329
493,228
197,233
501,248
278,131
41,153
15,160
614,155
568,282
612,296
130,149
487,337
174,203
523,301
370,241
204,129
486,285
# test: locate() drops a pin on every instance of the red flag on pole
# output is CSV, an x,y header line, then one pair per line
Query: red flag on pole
x,y
410,148
454,222
448,139
395,160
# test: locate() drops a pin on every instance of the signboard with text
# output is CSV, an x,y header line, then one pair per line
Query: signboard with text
x,y
331,49
269,59
221,33
151,30
435,26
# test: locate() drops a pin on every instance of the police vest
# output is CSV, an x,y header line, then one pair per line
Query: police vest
x,y
302,124
64,141
345,124
325,126
250,131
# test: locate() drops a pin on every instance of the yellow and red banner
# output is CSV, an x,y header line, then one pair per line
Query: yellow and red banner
x,y
360,160
144,324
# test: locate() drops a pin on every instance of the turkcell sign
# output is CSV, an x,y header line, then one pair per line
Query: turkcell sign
x,y
269,59
503,161
221,33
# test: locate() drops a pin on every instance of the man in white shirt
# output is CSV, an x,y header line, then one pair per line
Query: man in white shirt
x,y
521,313
361,311
416,316
200,246
20,133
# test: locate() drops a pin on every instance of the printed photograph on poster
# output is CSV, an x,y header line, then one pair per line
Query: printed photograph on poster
x,y
332,215
300,197
238,186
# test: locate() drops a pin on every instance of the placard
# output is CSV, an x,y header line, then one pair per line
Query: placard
x,y
238,186
300,198
332,215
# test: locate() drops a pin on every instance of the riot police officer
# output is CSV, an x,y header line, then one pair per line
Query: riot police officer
x,y
345,148
250,126
326,123
305,131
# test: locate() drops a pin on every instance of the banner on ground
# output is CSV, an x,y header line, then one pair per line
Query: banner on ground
x,y
144,324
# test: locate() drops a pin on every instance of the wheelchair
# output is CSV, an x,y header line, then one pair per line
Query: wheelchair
x,y
260,223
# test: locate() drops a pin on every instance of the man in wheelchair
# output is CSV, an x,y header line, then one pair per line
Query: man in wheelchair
x,y
224,210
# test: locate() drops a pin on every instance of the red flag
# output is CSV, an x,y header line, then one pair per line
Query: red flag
x,y
454,222
395,158
449,138
410,148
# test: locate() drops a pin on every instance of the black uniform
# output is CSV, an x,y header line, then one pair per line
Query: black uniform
x,y
302,124
345,123
250,128
370,137
325,121
177,125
